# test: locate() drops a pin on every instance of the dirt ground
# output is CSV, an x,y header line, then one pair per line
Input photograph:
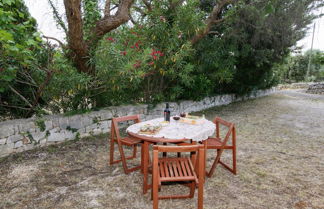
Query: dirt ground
x,y
280,165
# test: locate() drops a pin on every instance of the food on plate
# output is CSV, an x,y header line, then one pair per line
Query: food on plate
x,y
150,129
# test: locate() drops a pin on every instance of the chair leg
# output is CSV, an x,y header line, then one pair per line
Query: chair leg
x,y
164,153
192,189
123,159
200,195
155,182
142,158
112,150
234,159
216,161
134,151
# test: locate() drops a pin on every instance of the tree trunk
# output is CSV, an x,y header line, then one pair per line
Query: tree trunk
x,y
79,48
79,52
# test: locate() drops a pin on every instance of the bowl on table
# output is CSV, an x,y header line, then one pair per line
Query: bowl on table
x,y
176,117
183,114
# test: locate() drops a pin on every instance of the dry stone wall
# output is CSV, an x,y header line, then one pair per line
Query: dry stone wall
x,y
317,88
25,134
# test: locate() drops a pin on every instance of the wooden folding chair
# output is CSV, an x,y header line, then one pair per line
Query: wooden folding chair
x,y
178,169
221,144
116,138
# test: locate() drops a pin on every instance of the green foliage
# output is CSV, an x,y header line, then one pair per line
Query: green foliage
x,y
152,60
91,16
239,56
40,123
294,67
149,62
20,45
68,90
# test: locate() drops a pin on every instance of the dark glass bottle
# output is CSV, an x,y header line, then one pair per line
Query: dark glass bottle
x,y
167,113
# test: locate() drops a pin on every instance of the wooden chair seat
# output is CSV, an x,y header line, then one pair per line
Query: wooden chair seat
x,y
176,169
129,141
216,143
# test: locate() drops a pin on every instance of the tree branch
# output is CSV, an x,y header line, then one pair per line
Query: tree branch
x,y
17,107
21,96
213,18
107,8
55,39
41,88
109,23
58,17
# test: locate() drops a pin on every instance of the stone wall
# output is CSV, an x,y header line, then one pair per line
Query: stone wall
x,y
301,85
317,88
25,134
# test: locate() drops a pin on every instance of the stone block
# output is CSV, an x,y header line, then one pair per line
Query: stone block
x,y
86,120
75,122
39,135
3,141
64,122
18,144
27,126
55,122
48,125
29,146
6,130
54,135
106,114
103,125
60,136
91,127
15,138
6,149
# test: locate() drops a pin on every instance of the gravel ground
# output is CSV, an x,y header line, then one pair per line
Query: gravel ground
x,y
280,142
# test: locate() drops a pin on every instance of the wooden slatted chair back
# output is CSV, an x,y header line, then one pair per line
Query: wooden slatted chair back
x,y
230,130
115,133
123,141
177,169
221,143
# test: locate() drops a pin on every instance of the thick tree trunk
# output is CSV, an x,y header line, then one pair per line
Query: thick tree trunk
x,y
79,52
79,48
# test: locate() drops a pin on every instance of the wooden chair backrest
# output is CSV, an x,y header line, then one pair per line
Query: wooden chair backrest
x,y
114,124
231,129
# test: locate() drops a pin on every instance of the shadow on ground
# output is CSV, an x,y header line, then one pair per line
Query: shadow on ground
x,y
280,150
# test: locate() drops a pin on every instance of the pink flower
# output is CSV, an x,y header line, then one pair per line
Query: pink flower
x,y
162,18
123,53
137,64
151,63
110,39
